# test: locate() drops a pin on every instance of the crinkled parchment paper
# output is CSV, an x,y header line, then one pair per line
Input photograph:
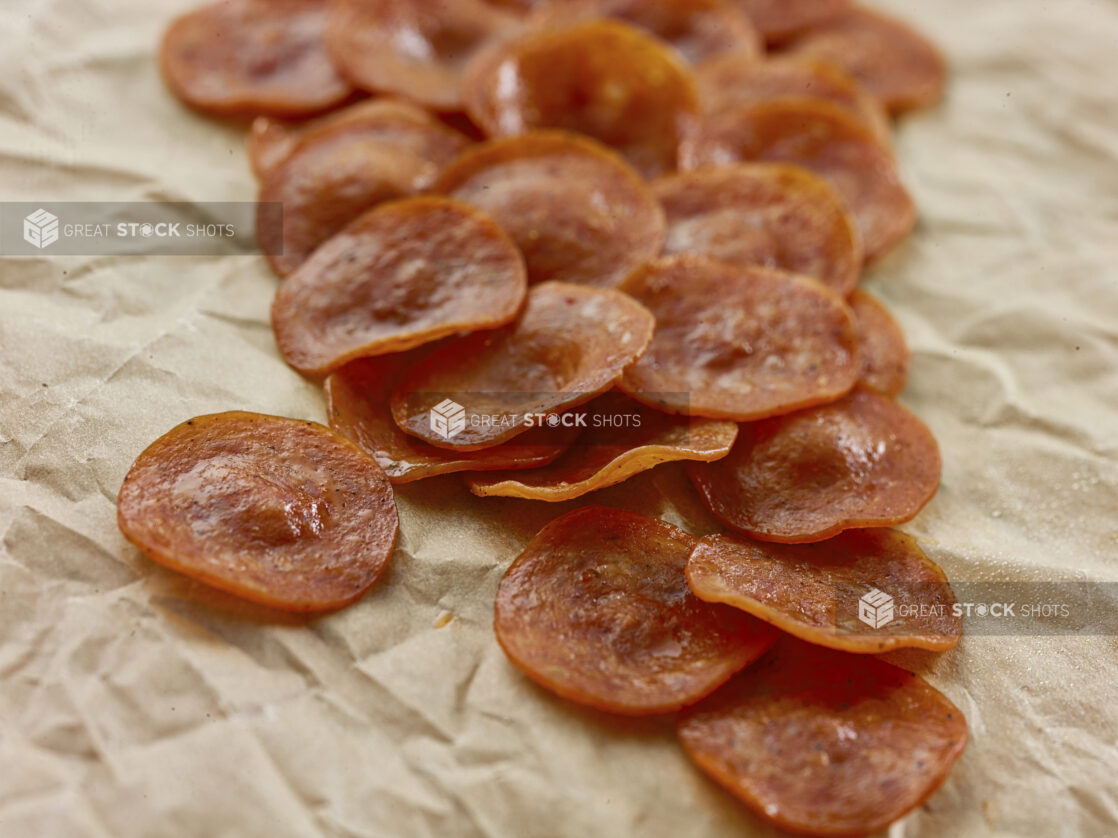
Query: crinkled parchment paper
x,y
136,703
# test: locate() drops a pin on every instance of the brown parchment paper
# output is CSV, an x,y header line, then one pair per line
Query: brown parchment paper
x,y
136,703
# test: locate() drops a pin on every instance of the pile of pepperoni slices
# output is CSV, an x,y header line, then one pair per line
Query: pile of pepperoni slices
x,y
649,208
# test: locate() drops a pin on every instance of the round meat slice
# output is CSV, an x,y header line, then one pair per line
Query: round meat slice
x,y
863,461
779,20
403,274
767,214
881,345
698,29
571,343
739,342
357,398
820,742
247,57
818,592
741,80
895,63
597,610
375,152
413,48
622,438
604,79
278,511
827,140
575,209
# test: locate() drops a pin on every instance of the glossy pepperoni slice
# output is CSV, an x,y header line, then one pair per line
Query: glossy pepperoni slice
x,y
863,461
571,343
575,209
698,29
603,78
739,342
827,140
375,152
416,49
778,20
767,214
881,345
622,437
278,511
403,274
895,63
820,742
818,592
597,610
246,57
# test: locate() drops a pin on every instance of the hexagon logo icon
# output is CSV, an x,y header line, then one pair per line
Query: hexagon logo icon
x,y
875,609
448,418
40,229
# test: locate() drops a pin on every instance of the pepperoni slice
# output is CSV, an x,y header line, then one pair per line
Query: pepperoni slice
x,y
881,345
824,743
357,398
245,57
575,209
597,610
278,511
374,152
403,274
863,461
814,591
739,342
896,64
766,214
413,48
698,29
622,438
741,80
827,140
603,78
780,19
571,343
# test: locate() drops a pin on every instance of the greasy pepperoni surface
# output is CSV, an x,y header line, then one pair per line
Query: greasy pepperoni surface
x,y
882,347
244,57
813,591
767,214
739,342
597,610
403,274
827,140
863,461
824,743
603,78
278,511
779,19
575,209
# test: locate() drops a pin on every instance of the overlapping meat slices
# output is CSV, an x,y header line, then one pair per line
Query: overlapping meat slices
x,y
882,347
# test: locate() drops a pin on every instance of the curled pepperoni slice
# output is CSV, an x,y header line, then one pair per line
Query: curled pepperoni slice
x,y
278,511
815,591
824,743
780,19
354,160
622,438
767,214
597,610
575,209
244,57
403,274
895,63
863,461
357,403
739,342
413,48
740,80
603,78
881,345
698,29
571,343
